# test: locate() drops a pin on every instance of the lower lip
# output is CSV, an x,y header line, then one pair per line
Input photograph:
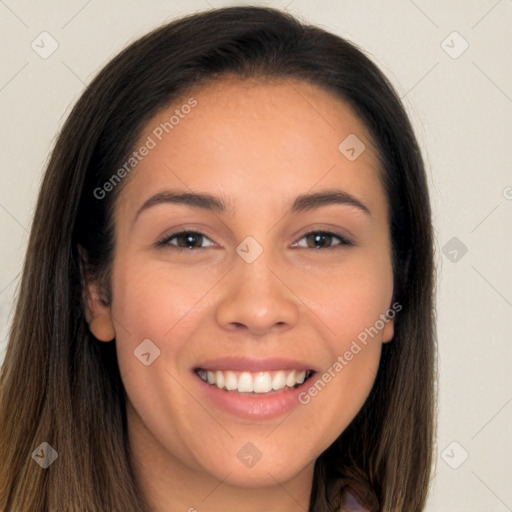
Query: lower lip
x,y
261,406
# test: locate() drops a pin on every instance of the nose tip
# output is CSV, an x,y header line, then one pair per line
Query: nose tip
x,y
257,301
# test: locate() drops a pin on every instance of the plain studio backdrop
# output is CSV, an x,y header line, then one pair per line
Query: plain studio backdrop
x,y
451,64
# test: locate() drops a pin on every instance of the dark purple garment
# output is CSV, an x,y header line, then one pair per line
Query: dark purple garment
x,y
349,503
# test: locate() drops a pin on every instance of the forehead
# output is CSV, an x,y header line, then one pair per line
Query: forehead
x,y
249,138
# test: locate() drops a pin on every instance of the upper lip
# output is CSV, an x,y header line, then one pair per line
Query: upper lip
x,y
253,364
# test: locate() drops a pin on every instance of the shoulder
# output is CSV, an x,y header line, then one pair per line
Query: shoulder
x,y
349,503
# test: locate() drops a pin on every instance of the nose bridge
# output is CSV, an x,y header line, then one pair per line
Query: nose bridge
x,y
255,297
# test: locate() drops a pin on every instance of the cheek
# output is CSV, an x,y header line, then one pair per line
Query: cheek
x,y
349,298
349,308
152,297
151,302
349,304
154,301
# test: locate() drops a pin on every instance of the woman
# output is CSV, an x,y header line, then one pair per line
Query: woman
x,y
227,299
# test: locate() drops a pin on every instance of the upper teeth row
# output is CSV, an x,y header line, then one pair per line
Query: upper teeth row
x,y
258,382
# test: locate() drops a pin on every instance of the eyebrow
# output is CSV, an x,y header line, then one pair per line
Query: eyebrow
x,y
327,197
304,202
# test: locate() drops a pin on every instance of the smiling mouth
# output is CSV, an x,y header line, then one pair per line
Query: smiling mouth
x,y
260,382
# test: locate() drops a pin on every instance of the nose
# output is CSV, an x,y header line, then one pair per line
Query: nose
x,y
257,299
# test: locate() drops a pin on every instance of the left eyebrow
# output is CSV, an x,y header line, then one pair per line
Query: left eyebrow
x,y
326,197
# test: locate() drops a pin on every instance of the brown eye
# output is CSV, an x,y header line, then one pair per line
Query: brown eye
x,y
189,240
323,240
319,240
185,240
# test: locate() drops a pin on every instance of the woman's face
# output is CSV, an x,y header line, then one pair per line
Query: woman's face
x,y
285,264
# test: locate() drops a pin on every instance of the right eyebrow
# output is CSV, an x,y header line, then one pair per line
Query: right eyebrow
x,y
194,199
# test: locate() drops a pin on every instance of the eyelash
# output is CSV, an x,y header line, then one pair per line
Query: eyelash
x,y
165,242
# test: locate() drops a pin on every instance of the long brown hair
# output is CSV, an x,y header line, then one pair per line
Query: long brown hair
x,y
58,385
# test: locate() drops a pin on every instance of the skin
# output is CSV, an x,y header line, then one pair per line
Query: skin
x,y
258,145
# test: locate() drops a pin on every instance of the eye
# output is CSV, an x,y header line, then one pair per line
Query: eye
x,y
323,240
184,240
194,240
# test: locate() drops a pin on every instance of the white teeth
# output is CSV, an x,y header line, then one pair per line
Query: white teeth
x,y
257,382
290,380
262,383
301,377
230,382
279,380
245,384
219,378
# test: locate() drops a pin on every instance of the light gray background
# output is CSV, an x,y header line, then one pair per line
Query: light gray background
x,y
461,108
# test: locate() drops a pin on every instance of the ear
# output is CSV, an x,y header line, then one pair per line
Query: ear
x,y
98,314
97,310
389,327
389,331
